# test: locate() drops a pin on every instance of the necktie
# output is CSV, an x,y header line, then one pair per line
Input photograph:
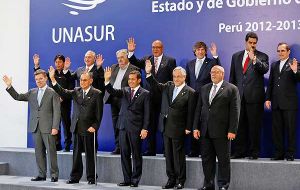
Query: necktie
x,y
131,94
213,94
246,64
174,93
40,95
198,67
84,93
156,64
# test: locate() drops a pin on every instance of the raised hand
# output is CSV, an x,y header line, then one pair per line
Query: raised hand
x,y
7,80
107,74
131,45
51,72
213,49
36,60
148,66
67,63
294,65
99,60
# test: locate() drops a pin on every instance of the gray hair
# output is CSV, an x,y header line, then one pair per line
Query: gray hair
x,y
181,69
92,52
123,51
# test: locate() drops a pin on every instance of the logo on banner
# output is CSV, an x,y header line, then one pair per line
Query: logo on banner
x,y
82,5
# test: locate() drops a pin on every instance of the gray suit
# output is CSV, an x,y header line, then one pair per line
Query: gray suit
x,y
42,120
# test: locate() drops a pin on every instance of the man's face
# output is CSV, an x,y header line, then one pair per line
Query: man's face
x,y
133,81
89,59
85,81
178,78
282,52
59,64
122,60
157,48
251,44
200,52
216,75
40,80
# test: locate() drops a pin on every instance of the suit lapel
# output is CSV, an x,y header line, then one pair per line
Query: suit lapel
x,y
136,95
240,60
193,67
182,93
203,67
87,97
35,94
220,91
114,75
207,93
285,66
162,64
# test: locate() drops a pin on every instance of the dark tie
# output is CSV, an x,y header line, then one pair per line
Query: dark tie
x,y
131,94
84,93
246,64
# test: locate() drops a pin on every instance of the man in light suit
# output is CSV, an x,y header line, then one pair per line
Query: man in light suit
x,y
282,97
133,124
43,123
162,69
198,74
247,73
118,79
86,119
216,122
176,120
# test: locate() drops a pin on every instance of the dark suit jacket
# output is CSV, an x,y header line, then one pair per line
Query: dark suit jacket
x,y
114,72
176,116
163,75
282,88
222,116
134,114
88,110
204,73
250,84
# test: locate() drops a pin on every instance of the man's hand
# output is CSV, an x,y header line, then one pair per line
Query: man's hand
x,y
107,74
54,132
51,72
131,45
7,80
268,104
213,49
143,134
148,66
294,65
231,136
99,61
67,63
91,130
196,134
36,60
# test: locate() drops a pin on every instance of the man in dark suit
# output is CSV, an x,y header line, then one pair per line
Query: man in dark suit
x,y
162,71
119,79
43,123
86,119
97,71
282,93
133,122
247,73
65,81
216,121
198,74
176,120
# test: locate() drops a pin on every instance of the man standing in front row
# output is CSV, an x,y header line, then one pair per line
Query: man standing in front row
x,y
176,121
216,122
44,122
86,119
133,123
282,97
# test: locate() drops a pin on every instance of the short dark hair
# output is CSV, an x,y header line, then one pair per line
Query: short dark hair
x,y
60,57
137,73
251,35
40,71
286,45
199,45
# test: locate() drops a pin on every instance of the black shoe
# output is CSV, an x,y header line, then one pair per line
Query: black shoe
x,y
253,157
278,158
38,178
91,182
237,156
179,186
54,179
207,188
169,185
122,184
290,158
192,155
222,188
72,181
115,152
134,185
67,149
147,153
58,148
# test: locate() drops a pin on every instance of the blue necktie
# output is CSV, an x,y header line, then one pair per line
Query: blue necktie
x,y
174,93
40,95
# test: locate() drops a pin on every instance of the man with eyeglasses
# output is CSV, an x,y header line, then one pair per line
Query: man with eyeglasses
x,y
162,71
282,98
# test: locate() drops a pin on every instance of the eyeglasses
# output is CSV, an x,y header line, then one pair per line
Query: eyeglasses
x,y
281,51
215,72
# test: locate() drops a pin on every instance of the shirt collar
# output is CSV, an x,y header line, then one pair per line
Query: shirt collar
x,y
90,67
44,88
202,60
87,90
219,84
136,88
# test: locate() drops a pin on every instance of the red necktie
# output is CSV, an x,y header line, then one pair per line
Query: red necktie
x,y
131,94
246,64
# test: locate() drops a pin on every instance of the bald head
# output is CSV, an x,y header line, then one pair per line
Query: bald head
x,y
217,74
157,48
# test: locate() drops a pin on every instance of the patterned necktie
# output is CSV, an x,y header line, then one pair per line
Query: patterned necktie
x,y
213,94
131,94
174,93
155,64
40,95
246,64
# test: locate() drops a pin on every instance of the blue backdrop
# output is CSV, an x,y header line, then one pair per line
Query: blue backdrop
x,y
71,27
